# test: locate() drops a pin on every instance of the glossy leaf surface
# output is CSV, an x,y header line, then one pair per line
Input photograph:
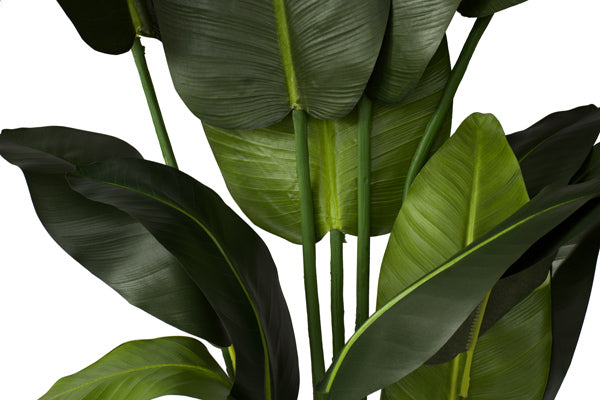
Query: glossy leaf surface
x,y
221,254
482,8
399,338
553,149
147,369
510,361
259,166
107,242
415,31
245,64
468,187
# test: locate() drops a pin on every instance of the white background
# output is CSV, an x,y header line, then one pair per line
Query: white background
x,y
536,58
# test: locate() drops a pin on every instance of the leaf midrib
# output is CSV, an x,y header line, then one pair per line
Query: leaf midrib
x,y
144,368
283,33
231,267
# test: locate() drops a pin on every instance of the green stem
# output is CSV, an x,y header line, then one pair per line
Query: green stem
x,y
365,108
308,248
157,119
337,290
433,127
229,357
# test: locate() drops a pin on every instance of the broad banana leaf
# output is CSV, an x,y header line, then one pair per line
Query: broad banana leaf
x,y
145,370
107,242
415,31
221,254
246,64
482,8
259,165
400,337
467,188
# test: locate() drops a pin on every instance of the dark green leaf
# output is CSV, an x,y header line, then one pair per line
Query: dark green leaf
x,y
245,64
553,149
221,254
482,8
147,369
259,165
590,168
415,30
105,25
400,336
106,241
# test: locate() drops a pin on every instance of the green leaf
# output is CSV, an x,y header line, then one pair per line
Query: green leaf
x,y
468,187
107,242
147,369
221,254
553,149
105,25
590,168
259,165
415,30
482,8
400,336
246,64
510,362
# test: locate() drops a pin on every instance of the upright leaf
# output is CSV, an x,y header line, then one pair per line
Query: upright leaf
x,y
108,242
415,30
400,336
246,64
553,149
468,187
147,369
221,254
260,170
482,8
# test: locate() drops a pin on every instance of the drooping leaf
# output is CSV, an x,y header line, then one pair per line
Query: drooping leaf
x,y
106,241
482,8
553,149
221,254
400,337
510,361
259,165
245,64
468,187
147,369
415,31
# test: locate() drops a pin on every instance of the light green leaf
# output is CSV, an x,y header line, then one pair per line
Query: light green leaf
x,y
415,30
401,336
259,165
147,369
468,187
245,64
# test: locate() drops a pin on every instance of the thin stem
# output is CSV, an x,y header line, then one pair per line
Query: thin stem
x,y
308,248
229,357
365,107
157,119
438,117
337,290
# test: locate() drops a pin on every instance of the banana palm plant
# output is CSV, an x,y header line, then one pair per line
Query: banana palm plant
x,y
325,118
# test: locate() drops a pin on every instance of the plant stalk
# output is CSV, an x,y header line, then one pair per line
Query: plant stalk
x,y
337,290
365,108
434,125
308,248
157,119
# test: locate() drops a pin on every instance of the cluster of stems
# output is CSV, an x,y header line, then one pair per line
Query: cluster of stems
x,y
300,120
